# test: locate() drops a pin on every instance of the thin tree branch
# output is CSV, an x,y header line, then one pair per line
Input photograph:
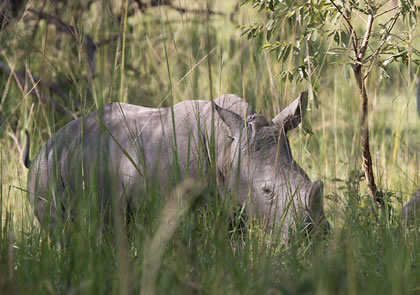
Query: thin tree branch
x,y
143,6
52,86
386,11
207,11
21,80
375,54
353,34
366,38
364,138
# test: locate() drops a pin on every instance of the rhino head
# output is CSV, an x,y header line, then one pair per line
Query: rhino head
x,y
263,172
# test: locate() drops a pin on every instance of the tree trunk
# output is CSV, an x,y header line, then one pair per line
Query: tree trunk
x,y
364,136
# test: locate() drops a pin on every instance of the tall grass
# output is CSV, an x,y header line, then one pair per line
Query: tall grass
x,y
168,57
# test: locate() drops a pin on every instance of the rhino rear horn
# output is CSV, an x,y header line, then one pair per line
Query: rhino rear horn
x,y
291,116
231,119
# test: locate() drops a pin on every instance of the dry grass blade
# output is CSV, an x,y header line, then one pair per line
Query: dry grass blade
x,y
52,86
21,80
177,207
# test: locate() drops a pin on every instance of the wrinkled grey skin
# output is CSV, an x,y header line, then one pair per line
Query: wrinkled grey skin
x,y
253,158
412,207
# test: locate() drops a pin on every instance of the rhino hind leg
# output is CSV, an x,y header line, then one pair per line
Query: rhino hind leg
x,y
50,207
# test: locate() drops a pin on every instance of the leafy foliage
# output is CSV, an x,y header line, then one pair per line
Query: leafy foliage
x,y
317,23
359,42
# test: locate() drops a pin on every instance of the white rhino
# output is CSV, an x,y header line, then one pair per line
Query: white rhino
x,y
118,148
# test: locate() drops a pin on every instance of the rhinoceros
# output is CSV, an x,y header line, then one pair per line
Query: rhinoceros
x,y
119,147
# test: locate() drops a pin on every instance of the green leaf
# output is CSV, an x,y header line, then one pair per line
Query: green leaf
x,y
286,52
384,73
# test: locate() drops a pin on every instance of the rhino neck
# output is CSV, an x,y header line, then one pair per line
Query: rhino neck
x,y
216,136
217,145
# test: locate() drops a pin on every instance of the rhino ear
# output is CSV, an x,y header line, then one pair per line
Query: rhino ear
x,y
231,119
291,116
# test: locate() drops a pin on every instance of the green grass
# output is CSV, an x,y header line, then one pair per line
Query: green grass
x,y
168,57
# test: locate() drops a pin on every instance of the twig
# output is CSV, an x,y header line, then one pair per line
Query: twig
x,y
351,29
143,6
386,11
374,55
197,11
89,45
366,38
21,80
52,86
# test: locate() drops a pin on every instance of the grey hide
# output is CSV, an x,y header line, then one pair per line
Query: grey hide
x,y
411,207
116,150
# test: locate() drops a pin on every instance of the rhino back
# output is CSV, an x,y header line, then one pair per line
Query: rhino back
x,y
114,147
121,139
